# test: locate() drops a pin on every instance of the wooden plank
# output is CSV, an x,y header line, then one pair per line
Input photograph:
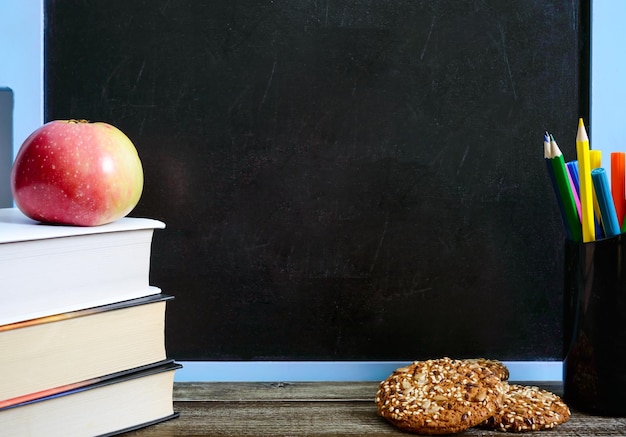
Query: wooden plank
x,y
275,391
273,419
324,419
312,409
282,391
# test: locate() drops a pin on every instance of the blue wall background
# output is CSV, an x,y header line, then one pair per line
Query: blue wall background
x,y
608,70
21,63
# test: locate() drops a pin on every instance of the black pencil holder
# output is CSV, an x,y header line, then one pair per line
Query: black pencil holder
x,y
594,372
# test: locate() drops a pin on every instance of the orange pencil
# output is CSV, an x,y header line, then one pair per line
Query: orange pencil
x,y
618,182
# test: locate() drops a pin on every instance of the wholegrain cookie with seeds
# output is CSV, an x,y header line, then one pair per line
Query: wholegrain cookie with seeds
x,y
497,367
440,396
528,408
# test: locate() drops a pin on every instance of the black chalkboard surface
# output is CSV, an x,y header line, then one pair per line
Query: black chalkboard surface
x,y
341,180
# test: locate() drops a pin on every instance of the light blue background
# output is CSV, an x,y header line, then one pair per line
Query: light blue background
x,y
21,63
608,78
21,69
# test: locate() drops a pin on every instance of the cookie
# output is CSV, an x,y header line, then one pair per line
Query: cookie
x,y
528,408
440,396
495,366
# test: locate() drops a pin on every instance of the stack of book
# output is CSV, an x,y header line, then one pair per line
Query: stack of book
x,y
82,332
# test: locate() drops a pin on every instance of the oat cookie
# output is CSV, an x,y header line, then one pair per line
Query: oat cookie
x,y
440,396
528,408
495,366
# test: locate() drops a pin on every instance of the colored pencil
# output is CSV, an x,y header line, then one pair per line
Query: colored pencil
x,y
564,189
605,202
573,185
572,167
547,154
547,151
574,188
618,182
586,185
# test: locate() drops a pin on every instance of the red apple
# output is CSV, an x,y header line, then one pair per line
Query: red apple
x,y
75,172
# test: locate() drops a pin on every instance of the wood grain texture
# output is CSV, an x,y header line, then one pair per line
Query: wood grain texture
x,y
315,409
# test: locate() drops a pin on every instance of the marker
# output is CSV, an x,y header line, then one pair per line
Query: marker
x,y
586,185
605,202
618,182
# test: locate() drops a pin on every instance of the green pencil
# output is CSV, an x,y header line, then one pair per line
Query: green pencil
x,y
565,191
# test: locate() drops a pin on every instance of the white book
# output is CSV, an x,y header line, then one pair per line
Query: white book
x,y
44,356
110,405
49,269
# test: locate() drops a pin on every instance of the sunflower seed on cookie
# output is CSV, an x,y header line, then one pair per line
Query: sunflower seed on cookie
x,y
495,366
528,408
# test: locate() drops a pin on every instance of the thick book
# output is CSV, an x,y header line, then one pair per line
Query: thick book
x,y
49,269
42,354
109,405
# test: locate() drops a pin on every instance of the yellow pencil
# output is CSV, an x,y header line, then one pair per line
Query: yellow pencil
x,y
595,159
586,184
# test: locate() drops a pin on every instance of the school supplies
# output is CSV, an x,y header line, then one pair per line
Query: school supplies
x,y
563,191
592,208
586,186
605,202
618,184
595,158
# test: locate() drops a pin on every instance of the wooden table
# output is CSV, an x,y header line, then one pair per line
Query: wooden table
x,y
315,409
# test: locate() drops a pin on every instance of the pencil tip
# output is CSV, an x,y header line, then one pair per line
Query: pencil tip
x,y
582,132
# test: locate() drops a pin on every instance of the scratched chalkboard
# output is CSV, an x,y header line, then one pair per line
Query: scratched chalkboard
x,y
341,180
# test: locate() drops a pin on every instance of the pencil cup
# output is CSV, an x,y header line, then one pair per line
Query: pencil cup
x,y
594,372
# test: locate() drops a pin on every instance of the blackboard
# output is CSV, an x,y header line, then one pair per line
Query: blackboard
x,y
341,180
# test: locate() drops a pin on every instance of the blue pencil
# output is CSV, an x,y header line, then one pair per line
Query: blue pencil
x,y
572,167
605,202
